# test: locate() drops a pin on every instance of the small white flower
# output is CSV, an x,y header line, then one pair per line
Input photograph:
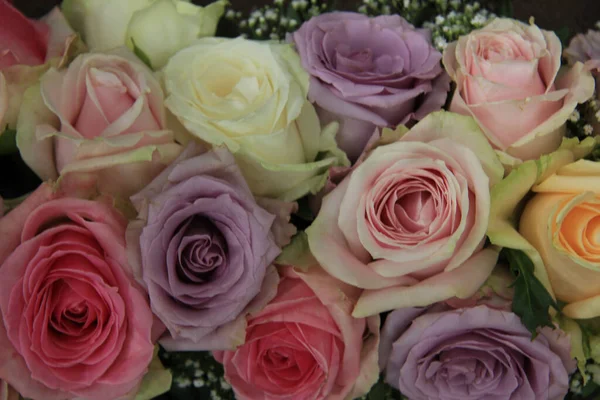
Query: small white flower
x,y
574,116
198,383
230,14
478,19
597,115
441,43
440,19
588,129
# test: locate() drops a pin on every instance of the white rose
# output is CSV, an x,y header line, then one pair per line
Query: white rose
x,y
252,97
159,28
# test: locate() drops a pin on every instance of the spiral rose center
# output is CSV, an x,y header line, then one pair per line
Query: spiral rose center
x,y
579,231
201,252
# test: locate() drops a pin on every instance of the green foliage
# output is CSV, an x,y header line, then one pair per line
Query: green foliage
x,y
141,55
8,141
531,301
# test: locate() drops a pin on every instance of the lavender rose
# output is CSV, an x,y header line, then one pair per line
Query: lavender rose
x,y
203,247
472,353
369,72
584,47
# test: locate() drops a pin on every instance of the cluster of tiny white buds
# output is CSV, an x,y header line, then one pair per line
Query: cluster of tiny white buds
x,y
275,21
588,130
574,117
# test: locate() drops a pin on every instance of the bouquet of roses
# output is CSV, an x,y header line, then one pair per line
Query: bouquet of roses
x,y
367,204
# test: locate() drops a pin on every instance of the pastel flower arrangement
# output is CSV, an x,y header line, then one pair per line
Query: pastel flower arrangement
x,y
344,208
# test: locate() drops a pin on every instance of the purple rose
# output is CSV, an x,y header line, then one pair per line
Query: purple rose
x,y
369,72
472,353
204,248
584,47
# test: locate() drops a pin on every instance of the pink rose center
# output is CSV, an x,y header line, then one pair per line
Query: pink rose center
x,y
110,96
412,207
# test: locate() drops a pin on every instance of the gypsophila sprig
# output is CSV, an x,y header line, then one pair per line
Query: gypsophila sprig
x,y
275,21
456,18
583,119
198,375
447,19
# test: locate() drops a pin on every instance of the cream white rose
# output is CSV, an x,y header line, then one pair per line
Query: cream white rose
x,y
159,28
252,97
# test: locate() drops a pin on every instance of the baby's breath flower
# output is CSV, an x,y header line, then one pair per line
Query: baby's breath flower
x,y
588,129
574,116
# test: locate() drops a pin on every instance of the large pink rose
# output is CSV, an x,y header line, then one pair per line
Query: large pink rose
x,y
507,77
409,222
25,45
305,344
73,323
103,115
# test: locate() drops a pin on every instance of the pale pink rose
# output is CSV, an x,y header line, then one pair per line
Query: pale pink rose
x,y
73,323
305,344
507,77
26,45
408,224
103,115
7,392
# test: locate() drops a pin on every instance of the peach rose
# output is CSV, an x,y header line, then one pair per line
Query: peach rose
x,y
507,77
305,344
562,221
559,228
409,222
103,115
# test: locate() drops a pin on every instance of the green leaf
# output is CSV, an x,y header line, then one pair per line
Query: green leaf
x,y
563,34
531,301
156,381
141,55
8,141
297,253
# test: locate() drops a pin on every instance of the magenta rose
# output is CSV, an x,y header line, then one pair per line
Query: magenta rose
x,y
74,324
408,224
103,115
472,353
25,46
305,345
204,248
369,72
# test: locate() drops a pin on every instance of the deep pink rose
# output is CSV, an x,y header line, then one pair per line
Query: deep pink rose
x,y
305,344
507,77
25,45
74,325
103,115
370,72
409,221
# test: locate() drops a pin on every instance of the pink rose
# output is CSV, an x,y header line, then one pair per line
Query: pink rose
x,y
25,45
305,344
7,392
409,222
74,325
507,78
103,115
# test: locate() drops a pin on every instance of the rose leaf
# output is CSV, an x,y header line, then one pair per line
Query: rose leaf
x,y
531,301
